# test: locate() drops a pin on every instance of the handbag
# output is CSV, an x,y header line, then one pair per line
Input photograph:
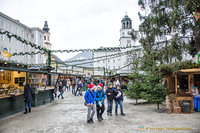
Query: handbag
x,y
85,103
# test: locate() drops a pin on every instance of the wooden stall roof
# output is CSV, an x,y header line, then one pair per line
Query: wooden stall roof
x,y
195,70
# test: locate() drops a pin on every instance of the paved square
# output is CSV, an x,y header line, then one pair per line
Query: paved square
x,y
69,116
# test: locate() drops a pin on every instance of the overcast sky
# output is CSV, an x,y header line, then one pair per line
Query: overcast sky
x,y
75,24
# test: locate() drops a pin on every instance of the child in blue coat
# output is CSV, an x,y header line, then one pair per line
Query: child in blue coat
x,y
100,97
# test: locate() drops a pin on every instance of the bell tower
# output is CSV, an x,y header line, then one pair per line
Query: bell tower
x,y
47,43
126,29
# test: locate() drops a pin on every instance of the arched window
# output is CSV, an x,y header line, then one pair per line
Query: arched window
x,y
123,26
127,25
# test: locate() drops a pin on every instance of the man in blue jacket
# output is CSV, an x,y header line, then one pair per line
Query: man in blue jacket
x,y
119,100
90,97
100,97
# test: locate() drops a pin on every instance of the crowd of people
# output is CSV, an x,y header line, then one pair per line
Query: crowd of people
x,y
97,91
96,95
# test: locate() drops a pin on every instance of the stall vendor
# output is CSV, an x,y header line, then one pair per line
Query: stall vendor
x,y
194,90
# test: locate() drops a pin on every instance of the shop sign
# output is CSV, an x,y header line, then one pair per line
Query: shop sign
x,y
198,58
5,53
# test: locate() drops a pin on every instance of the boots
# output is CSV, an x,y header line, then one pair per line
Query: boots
x,y
91,120
25,111
99,119
29,110
122,113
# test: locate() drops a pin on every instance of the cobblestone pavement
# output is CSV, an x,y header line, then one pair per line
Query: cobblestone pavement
x,y
69,116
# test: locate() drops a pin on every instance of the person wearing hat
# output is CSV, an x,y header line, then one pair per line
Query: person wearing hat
x,y
100,97
90,97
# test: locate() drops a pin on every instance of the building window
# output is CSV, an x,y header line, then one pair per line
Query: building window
x,y
126,45
45,38
118,67
108,61
48,38
108,67
32,36
22,33
113,67
103,61
128,41
1,37
10,39
119,59
9,27
113,60
122,33
2,23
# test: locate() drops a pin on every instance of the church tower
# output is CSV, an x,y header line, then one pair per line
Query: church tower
x,y
126,29
47,43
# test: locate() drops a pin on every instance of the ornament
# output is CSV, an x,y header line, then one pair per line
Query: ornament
x,y
196,15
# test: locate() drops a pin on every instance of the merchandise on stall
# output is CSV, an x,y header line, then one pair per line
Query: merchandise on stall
x,y
11,83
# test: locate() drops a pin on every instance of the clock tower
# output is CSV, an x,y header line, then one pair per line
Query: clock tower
x,y
126,29
47,43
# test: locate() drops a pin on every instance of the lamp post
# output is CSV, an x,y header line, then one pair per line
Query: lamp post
x,y
49,67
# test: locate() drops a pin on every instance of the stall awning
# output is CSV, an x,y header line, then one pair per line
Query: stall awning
x,y
195,70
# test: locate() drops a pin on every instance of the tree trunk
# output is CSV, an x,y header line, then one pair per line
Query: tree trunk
x,y
158,106
136,101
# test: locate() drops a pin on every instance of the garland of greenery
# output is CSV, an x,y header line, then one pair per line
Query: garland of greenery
x,y
29,53
93,50
71,61
10,35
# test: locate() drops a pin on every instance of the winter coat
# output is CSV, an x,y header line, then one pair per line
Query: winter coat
x,y
27,93
64,82
73,84
100,96
80,86
88,97
120,98
111,96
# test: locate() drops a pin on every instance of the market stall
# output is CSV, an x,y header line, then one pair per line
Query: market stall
x,y
11,92
184,86
41,91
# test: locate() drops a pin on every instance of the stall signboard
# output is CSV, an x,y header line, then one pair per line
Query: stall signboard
x,y
198,58
5,53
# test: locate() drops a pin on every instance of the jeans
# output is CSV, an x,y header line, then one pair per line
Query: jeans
x,y
100,111
110,105
27,104
120,104
79,92
61,94
91,108
65,86
73,90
